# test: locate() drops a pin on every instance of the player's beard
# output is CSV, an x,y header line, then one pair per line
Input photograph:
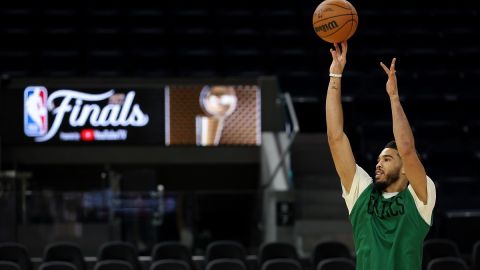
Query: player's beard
x,y
390,178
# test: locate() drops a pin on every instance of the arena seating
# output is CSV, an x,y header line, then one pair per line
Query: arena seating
x,y
438,254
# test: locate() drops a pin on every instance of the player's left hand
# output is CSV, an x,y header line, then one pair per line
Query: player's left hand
x,y
391,86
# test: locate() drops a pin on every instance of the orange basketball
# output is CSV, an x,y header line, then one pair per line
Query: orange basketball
x,y
335,20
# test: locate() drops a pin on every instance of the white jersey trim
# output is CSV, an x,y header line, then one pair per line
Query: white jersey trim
x,y
361,180
426,210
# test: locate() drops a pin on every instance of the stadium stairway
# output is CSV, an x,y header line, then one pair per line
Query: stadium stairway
x,y
320,210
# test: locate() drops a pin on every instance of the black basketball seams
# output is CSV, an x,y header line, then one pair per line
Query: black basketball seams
x,y
331,17
336,5
351,26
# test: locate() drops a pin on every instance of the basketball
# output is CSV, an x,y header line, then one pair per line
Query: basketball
x,y
335,20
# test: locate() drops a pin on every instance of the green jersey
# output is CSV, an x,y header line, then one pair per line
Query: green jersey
x,y
388,231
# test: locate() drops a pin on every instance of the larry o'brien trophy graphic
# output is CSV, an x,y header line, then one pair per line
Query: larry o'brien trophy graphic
x,y
212,115
218,102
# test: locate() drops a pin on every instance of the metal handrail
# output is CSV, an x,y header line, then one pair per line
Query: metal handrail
x,y
296,129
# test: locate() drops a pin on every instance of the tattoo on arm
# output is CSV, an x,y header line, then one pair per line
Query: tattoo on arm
x,y
334,85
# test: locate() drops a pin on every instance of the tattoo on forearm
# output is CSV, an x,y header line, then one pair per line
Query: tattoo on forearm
x,y
333,85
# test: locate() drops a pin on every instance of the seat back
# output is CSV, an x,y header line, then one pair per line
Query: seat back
x,y
172,251
277,250
281,264
225,250
120,251
447,263
57,266
226,264
4,265
476,256
336,264
438,248
16,253
169,264
330,249
65,252
113,265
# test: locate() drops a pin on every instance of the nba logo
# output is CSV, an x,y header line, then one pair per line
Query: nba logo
x,y
35,111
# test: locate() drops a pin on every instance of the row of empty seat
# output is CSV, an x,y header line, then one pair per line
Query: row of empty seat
x,y
173,255
223,255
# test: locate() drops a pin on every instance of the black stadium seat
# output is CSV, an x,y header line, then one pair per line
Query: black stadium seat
x,y
113,265
476,256
439,248
67,252
225,250
226,264
277,250
169,264
336,264
172,251
447,263
330,249
281,264
120,251
57,266
4,265
17,253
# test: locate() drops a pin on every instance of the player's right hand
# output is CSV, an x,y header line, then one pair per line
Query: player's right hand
x,y
339,58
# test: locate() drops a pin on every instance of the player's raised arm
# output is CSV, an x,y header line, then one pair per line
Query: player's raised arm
x,y
337,139
403,134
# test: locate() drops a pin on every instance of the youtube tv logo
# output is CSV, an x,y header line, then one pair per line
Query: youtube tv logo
x,y
87,135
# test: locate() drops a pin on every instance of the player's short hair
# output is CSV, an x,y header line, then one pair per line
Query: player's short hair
x,y
393,145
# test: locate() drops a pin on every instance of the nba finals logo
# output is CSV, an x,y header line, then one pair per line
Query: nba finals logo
x,y
88,117
35,111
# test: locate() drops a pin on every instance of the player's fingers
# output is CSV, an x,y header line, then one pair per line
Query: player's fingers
x,y
334,55
344,48
392,65
333,52
336,47
385,68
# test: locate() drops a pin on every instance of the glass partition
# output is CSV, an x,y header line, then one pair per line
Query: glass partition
x,y
144,218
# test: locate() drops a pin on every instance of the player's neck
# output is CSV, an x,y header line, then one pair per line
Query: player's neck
x,y
398,186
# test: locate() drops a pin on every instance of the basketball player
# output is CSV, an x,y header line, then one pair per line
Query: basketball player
x,y
392,214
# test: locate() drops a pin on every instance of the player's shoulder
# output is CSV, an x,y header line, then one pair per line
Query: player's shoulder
x,y
361,174
430,185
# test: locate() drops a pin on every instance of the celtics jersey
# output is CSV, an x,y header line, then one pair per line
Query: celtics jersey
x,y
388,229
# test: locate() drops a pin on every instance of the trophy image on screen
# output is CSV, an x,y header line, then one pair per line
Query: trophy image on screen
x,y
217,102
